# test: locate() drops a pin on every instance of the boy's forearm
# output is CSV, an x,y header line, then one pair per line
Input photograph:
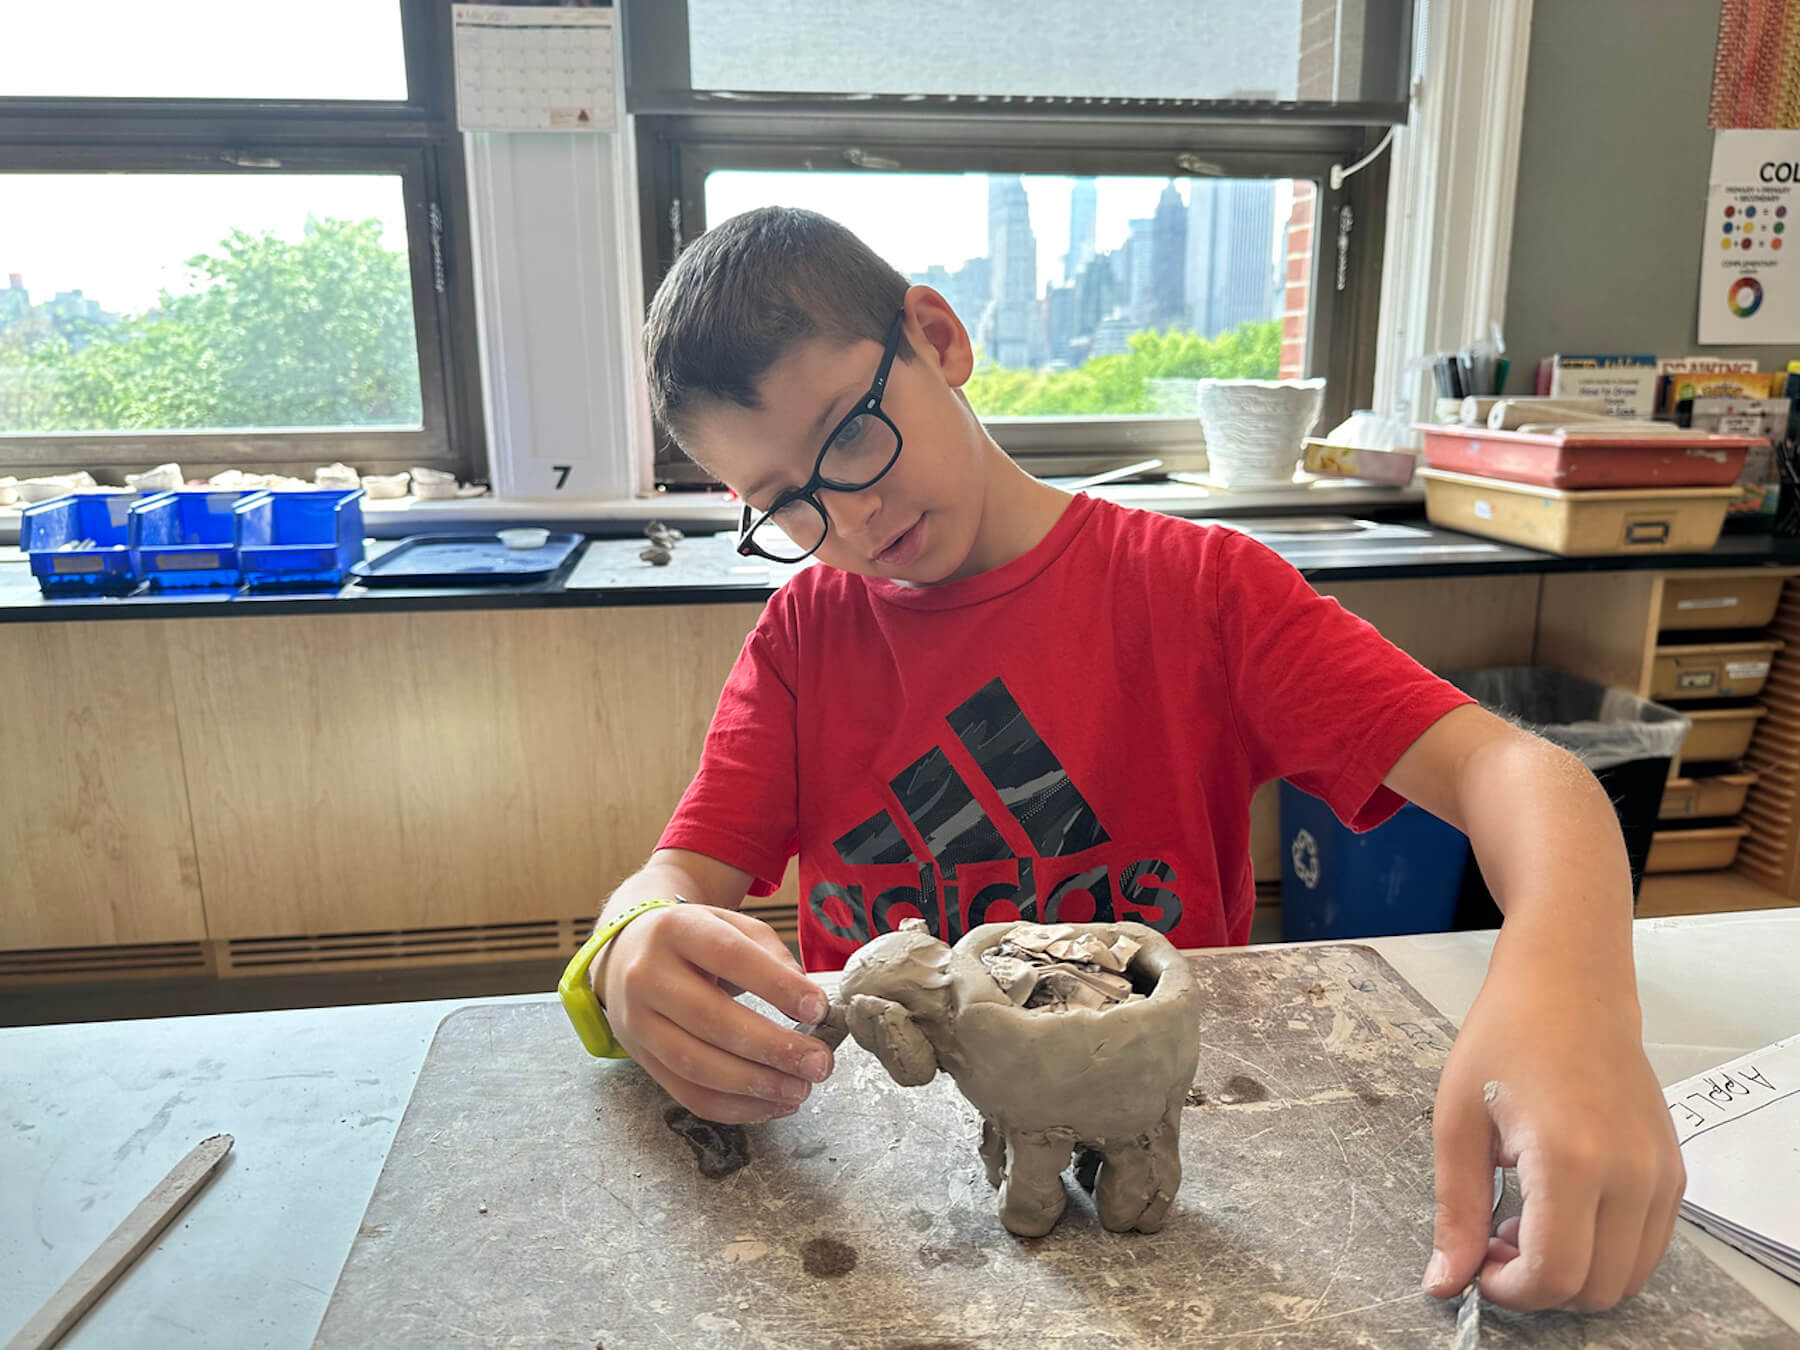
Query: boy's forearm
x,y
1549,846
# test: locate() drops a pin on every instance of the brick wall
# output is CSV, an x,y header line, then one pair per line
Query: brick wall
x,y
1297,295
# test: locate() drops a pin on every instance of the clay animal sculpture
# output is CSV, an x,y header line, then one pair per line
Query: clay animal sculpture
x,y
1111,1081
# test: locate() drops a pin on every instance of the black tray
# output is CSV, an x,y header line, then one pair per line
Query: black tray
x,y
465,560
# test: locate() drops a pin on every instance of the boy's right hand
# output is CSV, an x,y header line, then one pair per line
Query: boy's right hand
x,y
666,983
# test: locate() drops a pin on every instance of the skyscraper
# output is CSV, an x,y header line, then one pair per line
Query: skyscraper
x,y
1008,328
1230,253
1167,305
1083,215
1138,296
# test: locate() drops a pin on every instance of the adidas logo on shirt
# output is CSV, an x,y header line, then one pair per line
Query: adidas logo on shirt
x,y
945,816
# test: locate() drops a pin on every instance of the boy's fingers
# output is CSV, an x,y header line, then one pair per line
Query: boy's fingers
x,y
1658,1231
726,951
764,937
1618,1240
715,1068
1463,1147
1556,1240
749,1035
720,1107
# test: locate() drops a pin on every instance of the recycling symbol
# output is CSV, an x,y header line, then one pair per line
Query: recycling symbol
x,y
1305,850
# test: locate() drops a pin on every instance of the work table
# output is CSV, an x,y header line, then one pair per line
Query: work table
x,y
94,1114
706,569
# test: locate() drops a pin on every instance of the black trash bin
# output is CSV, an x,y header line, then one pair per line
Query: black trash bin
x,y
1628,742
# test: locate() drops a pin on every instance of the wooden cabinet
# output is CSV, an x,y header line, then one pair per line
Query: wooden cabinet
x,y
95,834
423,781
341,790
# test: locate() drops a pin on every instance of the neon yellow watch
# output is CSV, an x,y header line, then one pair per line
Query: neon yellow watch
x,y
577,991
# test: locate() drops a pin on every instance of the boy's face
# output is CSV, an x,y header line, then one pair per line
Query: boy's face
x,y
918,523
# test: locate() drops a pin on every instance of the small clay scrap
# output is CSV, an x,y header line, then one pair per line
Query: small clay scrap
x,y
661,548
1054,968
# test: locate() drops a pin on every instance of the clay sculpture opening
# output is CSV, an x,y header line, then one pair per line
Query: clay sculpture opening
x,y
1063,1037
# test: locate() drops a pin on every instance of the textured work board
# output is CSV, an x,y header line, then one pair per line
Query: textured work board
x,y
536,1197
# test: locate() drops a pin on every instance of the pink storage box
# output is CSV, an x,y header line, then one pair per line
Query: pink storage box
x,y
1571,460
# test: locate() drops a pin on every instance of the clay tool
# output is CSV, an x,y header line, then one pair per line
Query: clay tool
x,y
123,1245
1119,474
1468,1312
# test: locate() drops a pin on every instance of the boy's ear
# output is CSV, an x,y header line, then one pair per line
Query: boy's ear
x,y
929,316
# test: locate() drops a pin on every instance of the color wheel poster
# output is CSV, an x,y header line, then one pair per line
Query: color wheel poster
x,y
1750,267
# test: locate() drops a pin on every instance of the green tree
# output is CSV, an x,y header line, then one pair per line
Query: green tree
x,y
1115,385
313,333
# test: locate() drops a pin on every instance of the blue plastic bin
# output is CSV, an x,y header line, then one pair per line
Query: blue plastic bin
x,y
54,535
1401,877
302,539
188,538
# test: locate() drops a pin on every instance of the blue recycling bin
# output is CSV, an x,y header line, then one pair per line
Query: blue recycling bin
x,y
1403,876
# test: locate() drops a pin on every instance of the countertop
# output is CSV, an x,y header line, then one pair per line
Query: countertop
x,y
94,1114
706,569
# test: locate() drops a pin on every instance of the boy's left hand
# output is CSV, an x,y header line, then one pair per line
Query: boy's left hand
x,y
1546,1078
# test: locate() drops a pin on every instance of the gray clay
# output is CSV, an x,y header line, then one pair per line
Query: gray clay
x,y
1112,1080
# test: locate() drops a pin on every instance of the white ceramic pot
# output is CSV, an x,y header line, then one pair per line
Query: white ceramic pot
x,y
1255,429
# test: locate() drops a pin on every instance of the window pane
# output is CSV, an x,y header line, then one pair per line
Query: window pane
x,y
1204,49
1083,296
187,302
324,49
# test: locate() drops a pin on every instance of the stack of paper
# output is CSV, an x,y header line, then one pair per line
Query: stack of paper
x,y
1739,1128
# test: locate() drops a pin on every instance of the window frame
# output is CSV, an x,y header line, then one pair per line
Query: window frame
x,y
674,157
416,140
682,134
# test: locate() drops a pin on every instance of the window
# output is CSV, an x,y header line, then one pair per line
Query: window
x,y
230,238
1114,208
1084,296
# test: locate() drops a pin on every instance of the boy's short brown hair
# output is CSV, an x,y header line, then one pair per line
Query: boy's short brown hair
x,y
744,292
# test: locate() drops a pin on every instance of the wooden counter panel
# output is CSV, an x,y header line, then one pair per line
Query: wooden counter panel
x,y
358,773
94,825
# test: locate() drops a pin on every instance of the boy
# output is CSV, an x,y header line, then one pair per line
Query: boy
x,y
989,697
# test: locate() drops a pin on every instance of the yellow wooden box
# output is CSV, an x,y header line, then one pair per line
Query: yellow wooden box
x,y
1584,523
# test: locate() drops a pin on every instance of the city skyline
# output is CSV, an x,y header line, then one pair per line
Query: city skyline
x,y
1203,263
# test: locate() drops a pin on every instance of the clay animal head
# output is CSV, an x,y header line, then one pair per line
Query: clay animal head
x,y
896,992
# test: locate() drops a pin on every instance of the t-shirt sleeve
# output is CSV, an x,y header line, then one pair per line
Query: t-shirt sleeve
x,y
1319,697
740,807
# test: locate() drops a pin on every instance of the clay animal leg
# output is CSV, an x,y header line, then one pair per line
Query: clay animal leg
x,y
1138,1180
1031,1195
993,1151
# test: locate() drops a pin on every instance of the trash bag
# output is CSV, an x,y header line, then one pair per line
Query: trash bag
x,y
1602,727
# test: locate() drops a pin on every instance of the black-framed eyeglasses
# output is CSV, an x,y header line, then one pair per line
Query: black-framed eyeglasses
x,y
856,455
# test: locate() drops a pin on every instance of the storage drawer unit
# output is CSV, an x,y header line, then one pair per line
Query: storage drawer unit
x,y
1711,669
1719,602
1719,733
1705,798
1703,850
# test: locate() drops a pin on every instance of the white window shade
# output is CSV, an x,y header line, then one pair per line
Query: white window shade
x,y
1268,51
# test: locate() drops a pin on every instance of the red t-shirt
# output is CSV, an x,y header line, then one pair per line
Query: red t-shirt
x,y
1071,737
